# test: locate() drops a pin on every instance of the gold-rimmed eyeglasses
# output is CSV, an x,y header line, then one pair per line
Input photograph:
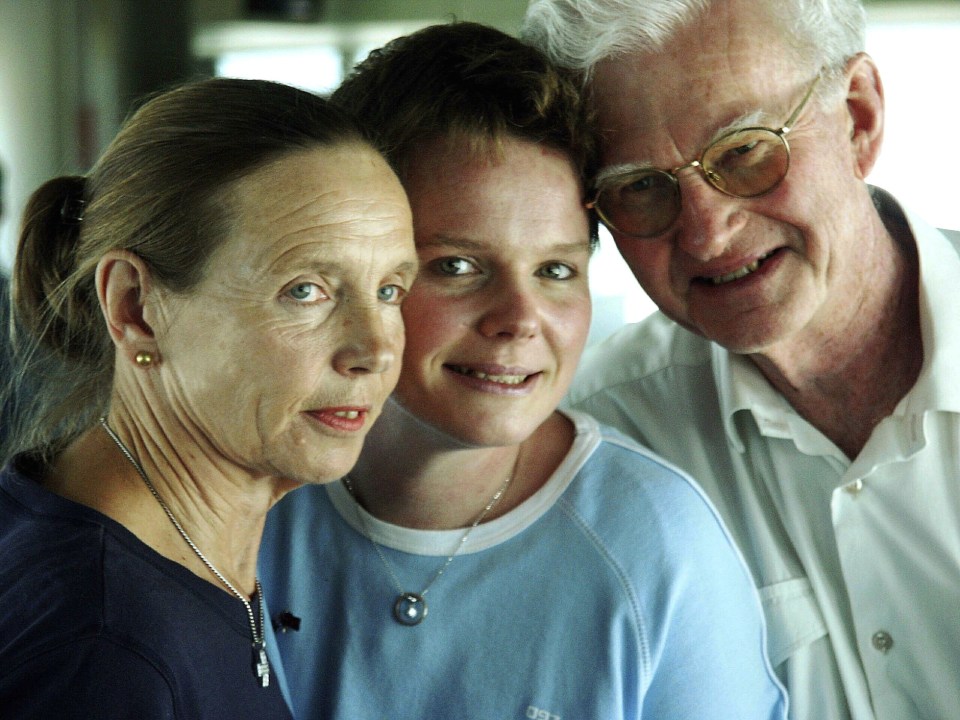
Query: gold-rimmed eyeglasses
x,y
744,163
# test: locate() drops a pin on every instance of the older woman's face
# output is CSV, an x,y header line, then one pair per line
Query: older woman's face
x,y
283,356
500,311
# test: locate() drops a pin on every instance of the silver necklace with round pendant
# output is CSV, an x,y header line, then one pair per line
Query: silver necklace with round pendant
x,y
410,608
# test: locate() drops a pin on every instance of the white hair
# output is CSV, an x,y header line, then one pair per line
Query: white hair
x,y
578,34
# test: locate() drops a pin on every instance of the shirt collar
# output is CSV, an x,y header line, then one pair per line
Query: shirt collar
x,y
741,386
936,388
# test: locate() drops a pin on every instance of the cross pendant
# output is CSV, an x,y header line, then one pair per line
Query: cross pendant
x,y
261,666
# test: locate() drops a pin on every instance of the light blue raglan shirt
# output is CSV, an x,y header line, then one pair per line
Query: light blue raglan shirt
x,y
614,592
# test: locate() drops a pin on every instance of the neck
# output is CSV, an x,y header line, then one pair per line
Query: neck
x,y
411,475
222,513
845,381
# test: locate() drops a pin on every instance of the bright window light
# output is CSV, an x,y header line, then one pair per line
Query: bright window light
x,y
318,69
918,63
617,298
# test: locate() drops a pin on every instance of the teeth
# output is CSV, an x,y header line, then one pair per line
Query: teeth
x,y
502,379
737,274
348,414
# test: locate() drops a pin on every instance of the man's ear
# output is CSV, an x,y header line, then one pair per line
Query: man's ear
x,y
124,284
865,109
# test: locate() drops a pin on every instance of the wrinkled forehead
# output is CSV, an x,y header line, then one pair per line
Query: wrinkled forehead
x,y
728,63
662,109
320,199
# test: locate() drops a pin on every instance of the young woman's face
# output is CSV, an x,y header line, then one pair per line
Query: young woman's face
x,y
284,354
500,312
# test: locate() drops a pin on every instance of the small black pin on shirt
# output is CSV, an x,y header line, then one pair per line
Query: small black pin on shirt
x,y
286,621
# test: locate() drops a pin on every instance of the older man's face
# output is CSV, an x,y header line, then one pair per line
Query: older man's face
x,y
750,274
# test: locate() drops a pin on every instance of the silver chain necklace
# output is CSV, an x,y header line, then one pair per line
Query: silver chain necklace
x,y
261,666
410,608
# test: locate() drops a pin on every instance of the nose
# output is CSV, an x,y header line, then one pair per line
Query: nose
x,y
513,312
708,218
369,344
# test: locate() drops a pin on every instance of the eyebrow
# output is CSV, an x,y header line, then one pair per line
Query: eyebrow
x,y
448,241
284,263
337,266
755,118
408,267
458,243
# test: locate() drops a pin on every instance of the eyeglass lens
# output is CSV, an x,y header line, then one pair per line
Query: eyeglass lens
x,y
745,163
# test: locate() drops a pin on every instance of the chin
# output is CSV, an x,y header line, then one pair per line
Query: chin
x,y
321,466
494,433
753,343
753,333
466,424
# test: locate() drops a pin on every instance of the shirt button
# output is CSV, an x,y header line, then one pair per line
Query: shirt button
x,y
855,487
882,641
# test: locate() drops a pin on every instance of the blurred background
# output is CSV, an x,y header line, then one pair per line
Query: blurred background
x,y
70,71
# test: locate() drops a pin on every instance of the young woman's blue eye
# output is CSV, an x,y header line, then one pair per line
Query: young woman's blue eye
x,y
557,271
453,266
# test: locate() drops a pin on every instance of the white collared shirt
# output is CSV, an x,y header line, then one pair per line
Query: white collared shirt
x,y
858,563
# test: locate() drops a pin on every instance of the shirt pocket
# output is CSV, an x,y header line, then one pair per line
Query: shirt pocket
x,y
793,618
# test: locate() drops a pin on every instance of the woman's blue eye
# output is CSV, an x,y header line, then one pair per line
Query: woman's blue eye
x,y
302,291
391,293
557,271
454,266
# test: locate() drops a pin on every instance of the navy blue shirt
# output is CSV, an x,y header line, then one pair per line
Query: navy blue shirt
x,y
95,624
6,363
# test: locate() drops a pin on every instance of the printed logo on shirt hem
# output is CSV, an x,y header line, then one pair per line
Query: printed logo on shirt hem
x,y
535,713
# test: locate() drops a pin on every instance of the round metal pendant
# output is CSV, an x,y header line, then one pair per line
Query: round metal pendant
x,y
410,608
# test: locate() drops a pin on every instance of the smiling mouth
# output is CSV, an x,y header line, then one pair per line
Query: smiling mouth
x,y
738,273
502,379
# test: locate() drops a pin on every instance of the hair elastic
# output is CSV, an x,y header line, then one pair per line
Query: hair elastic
x,y
71,212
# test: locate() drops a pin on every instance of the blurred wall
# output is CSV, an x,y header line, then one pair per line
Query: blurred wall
x,y
505,14
70,70
32,136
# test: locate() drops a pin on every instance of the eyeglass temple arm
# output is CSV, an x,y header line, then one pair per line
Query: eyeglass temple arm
x,y
803,103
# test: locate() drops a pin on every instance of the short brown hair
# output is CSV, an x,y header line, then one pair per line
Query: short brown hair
x,y
465,81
